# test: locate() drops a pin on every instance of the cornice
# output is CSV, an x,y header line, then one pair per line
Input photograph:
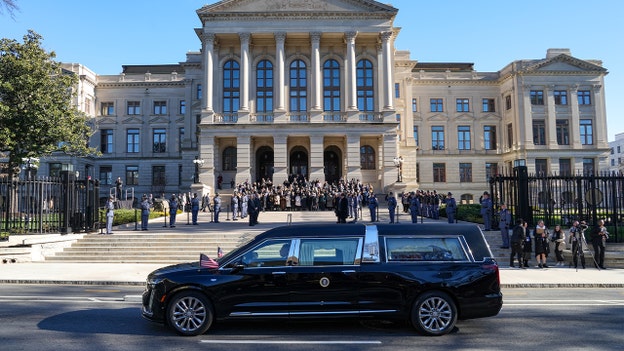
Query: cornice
x,y
250,16
140,84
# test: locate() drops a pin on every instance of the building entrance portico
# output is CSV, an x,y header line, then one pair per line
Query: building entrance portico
x,y
299,162
265,163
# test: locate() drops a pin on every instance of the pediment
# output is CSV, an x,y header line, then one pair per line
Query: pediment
x,y
106,120
565,63
440,117
490,117
464,117
132,120
295,6
159,119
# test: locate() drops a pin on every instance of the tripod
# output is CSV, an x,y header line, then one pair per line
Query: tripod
x,y
579,250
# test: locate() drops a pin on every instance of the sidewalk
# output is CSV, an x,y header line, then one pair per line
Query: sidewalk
x,y
135,274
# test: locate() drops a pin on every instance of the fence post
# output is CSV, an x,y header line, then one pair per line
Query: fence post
x,y
523,209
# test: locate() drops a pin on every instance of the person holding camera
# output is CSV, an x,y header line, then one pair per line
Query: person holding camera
x,y
558,237
517,241
576,239
542,247
599,238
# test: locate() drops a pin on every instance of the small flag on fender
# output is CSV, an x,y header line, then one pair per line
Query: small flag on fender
x,y
207,262
219,252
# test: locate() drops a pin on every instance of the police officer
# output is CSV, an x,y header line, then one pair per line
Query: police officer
x,y
414,207
486,211
392,204
372,206
451,207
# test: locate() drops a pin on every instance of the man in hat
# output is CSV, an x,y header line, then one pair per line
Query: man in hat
x,y
173,211
486,211
451,207
392,205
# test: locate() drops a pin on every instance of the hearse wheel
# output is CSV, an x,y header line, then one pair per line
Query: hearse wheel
x,y
190,313
434,313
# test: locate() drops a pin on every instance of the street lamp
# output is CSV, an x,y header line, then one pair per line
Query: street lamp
x,y
398,163
31,164
198,162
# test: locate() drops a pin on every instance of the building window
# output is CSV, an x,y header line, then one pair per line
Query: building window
x,y
180,168
437,138
106,141
463,105
465,172
414,105
584,97
541,166
537,97
489,137
563,132
132,140
158,175
181,138
132,175
182,107
365,86
298,86
436,105
539,132
397,90
416,135
229,158
199,92
510,135
160,107
106,175
491,170
331,87
618,149
231,87
565,167
160,140
134,107
488,105
588,166
367,157
107,108
55,169
587,132
463,138
439,172
508,102
612,162
561,97
264,87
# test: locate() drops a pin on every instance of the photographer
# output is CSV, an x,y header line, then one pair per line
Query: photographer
x,y
517,241
599,238
576,239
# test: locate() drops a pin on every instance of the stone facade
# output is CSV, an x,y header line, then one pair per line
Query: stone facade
x,y
317,88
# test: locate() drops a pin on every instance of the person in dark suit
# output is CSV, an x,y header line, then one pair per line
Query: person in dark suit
x,y
486,211
451,207
342,211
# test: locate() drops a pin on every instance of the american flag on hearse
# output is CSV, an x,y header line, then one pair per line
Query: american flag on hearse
x,y
207,262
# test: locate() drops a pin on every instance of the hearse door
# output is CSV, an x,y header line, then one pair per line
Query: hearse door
x,y
323,277
260,288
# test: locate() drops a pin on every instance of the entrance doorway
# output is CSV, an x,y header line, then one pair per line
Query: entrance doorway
x,y
333,166
264,163
298,163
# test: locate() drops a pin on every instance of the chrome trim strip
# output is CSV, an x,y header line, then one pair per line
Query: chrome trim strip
x,y
371,245
308,313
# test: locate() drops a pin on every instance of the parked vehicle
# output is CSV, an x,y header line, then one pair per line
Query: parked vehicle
x,y
428,274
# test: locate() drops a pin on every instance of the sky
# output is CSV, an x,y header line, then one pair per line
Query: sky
x,y
106,34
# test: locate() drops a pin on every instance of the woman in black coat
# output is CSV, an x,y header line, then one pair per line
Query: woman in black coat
x,y
542,248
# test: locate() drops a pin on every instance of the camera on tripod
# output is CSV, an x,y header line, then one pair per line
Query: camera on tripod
x,y
583,225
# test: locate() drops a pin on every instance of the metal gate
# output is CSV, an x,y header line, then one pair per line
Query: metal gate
x,y
48,204
560,200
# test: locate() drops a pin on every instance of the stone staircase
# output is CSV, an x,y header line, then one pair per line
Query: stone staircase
x,y
148,248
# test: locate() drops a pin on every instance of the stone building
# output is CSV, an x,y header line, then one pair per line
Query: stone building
x,y
318,89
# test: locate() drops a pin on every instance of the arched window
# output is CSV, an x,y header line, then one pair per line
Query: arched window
x,y
331,89
231,87
298,86
367,157
264,87
365,87
229,158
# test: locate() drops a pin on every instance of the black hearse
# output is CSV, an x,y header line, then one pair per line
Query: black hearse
x,y
428,274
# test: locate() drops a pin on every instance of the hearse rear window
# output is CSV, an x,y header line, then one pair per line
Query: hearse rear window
x,y
424,249
328,252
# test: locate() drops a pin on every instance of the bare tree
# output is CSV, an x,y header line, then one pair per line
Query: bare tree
x,y
10,6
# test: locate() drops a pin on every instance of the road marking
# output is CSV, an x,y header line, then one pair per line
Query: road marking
x,y
293,342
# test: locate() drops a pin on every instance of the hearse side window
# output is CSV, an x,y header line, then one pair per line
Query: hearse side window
x,y
328,252
424,249
270,253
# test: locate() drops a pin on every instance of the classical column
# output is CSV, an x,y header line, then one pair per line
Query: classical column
x,y
354,169
551,117
524,131
243,158
315,38
387,74
317,169
575,131
280,39
600,120
245,71
390,151
208,40
280,159
350,71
